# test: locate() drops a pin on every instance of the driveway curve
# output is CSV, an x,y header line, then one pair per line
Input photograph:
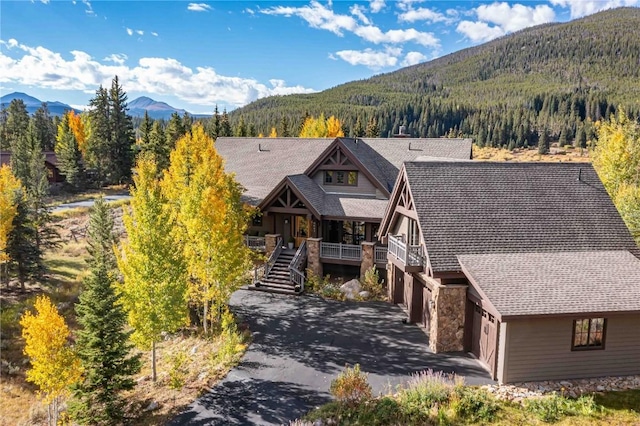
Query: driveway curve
x,y
302,343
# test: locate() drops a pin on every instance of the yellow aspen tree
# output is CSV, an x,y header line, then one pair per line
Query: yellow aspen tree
x,y
154,289
9,185
76,124
274,133
334,127
54,366
211,220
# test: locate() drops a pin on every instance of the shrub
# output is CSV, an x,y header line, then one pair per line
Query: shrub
x,y
371,283
351,386
474,405
427,390
178,371
553,407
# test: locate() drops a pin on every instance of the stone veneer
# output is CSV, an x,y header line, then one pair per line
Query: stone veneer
x,y
313,256
368,257
447,318
270,241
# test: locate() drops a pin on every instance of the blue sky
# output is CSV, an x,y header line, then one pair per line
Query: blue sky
x,y
194,55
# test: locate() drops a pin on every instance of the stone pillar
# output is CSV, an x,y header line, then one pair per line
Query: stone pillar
x,y
448,318
368,257
391,283
313,256
270,241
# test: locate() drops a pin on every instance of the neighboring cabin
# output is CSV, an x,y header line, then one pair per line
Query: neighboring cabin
x,y
50,162
527,265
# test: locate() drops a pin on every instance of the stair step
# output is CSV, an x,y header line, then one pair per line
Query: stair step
x,y
277,281
278,284
273,290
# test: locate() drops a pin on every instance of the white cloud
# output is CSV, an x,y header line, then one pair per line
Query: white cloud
x,y
129,31
413,58
357,10
89,8
580,8
479,31
40,67
515,17
498,19
199,7
153,33
322,17
376,5
44,1
140,32
371,58
422,14
116,58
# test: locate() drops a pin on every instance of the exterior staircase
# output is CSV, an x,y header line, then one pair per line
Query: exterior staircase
x,y
278,278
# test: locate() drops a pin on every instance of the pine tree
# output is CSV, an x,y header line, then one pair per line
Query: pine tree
x,y
358,130
15,126
157,146
69,155
581,138
102,344
241,128
22,247
9,189
145,129
225,126
543,142
173,131
373,130
152,264
284,127
122,136
213,125
99,141
45,128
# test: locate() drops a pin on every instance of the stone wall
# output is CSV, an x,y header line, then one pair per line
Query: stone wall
x,y
448,318
270,243
313,256
368,257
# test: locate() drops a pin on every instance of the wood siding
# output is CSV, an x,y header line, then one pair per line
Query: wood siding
x,y
364,185
540,349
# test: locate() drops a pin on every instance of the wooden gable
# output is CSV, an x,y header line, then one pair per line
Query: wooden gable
x,y
337,160
400,203
285,198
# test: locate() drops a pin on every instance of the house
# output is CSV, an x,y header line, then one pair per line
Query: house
x,y
325,196
50,162
527,265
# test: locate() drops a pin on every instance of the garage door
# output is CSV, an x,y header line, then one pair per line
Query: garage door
x,y
398,285
484,337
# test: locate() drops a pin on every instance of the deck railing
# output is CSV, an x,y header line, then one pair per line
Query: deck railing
x,y
263,270
340,251
381,254
409,255
255,243
297,267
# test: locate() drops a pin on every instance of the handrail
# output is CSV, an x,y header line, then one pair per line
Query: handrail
x,y
266,268
340,251
381,254
255,243
297,266
410,255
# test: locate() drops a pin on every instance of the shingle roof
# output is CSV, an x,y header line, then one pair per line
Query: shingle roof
x,y
337,205
383,157
483,207
260,171
567,282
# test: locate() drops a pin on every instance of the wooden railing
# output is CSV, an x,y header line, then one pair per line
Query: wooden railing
x,y
409,255
263,270
255,243
340,251
297,267
381,254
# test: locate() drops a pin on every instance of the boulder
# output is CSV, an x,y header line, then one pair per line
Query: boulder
x,y
351,288
364,294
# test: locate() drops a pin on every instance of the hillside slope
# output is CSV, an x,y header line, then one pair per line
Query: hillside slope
x,y
551,78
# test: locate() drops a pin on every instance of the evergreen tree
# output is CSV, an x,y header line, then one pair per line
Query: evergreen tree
x,y
543,142
102,344
173,131
358,130
69,156
187,122
145,129
157,146
284,127
241,128
100,138
46,132
213,125
122,136
562,140
22,249
581,138
15,127
225,126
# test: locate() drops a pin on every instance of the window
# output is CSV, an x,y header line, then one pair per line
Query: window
x,y
414,235
588,334
257,220
332,177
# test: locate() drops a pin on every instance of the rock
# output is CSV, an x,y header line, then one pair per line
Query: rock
x,y
351,288
202,376
600,388
63,306
152,406
364,294
194,350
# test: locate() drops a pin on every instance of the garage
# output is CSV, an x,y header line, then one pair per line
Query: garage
x,y
484,336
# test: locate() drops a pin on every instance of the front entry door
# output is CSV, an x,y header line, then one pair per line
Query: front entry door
x,y
286,229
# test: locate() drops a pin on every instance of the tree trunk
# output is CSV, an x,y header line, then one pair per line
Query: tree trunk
x,y
205,319
153,361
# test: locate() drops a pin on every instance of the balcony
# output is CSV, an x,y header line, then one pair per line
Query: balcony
x,y
255,243
411,256
381,255
338,251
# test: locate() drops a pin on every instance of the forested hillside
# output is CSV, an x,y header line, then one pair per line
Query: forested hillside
x,y
554,79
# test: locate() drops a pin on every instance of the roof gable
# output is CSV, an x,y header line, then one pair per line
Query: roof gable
x,y
482,207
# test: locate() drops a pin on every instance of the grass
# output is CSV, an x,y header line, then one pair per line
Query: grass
x,y
432,398
567,154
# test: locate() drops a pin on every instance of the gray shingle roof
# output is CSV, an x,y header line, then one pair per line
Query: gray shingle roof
x,y
557,283
260,171
337,205
383,157
483,207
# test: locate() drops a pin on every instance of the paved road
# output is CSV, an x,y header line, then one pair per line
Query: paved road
x,y
301,343
88,203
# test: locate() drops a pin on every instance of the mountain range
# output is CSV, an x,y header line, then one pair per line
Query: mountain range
x,y
137,107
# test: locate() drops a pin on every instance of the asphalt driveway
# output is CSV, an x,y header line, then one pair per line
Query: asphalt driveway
x,y
301,343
